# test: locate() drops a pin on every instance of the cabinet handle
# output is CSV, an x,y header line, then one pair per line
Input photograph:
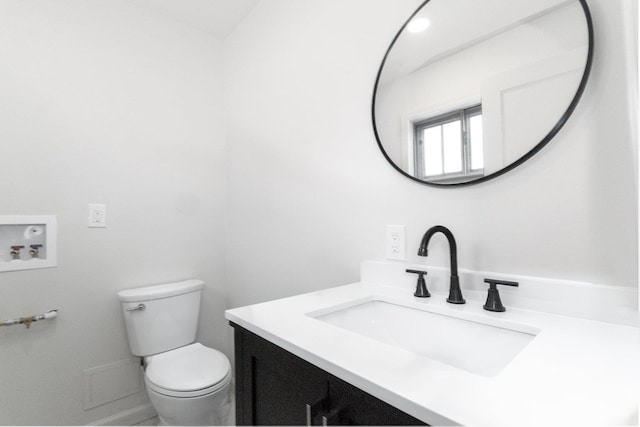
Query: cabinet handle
x,y
314,410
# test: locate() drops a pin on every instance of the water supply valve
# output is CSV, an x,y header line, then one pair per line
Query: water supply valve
x,y
35,251
15,251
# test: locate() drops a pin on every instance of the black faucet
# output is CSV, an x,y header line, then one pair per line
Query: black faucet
x,y
455,294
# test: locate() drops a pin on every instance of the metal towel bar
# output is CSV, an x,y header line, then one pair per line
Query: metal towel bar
x,y
27,321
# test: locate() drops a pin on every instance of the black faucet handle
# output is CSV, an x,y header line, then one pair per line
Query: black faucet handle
x,y
493,282
418,272
493,296
421,286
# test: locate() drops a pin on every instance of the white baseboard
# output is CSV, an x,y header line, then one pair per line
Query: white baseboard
x,y
128,418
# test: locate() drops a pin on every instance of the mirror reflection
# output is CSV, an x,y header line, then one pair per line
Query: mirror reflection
x,y
471,88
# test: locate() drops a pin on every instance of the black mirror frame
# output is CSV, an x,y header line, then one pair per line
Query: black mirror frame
x,y
552,133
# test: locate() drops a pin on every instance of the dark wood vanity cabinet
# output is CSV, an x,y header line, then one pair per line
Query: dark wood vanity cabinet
x,y
275,387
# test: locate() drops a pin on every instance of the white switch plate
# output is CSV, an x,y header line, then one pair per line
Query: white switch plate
x,y
396,242
97,215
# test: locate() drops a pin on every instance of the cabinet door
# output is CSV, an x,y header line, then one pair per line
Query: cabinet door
x,y
273,386
356,407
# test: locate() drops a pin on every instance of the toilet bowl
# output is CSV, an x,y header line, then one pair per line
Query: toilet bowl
x,y
187,382
189,385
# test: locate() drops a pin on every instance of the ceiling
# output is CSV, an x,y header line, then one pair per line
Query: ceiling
x,y
217,17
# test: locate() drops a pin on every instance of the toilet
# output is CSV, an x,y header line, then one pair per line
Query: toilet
x,y
187,383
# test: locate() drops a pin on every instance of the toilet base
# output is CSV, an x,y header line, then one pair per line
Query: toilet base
x,y
207,410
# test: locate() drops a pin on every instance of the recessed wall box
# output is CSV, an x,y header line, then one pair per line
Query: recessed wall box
x,y
27,242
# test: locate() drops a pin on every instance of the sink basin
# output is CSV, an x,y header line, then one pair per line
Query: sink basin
x,y
476,344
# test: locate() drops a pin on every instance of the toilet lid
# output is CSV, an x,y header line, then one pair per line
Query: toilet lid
x,y
188,369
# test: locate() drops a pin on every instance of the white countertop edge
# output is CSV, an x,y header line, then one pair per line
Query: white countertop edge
x,y
271,321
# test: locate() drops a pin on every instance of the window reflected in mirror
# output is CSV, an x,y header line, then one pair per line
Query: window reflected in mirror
x,y
449,147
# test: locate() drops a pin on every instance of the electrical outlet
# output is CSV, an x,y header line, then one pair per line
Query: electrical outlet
x,y
396,242
97,215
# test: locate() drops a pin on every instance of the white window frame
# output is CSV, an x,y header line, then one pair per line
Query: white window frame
x,y
463,115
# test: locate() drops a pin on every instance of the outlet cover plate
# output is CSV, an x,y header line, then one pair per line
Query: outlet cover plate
x,y
396,242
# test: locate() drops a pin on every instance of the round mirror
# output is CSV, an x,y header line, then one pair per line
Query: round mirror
x,y
470,89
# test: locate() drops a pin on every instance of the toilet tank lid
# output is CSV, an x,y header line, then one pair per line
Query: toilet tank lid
x,y
166,290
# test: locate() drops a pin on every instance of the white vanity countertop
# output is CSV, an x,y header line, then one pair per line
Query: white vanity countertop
x,y
574,372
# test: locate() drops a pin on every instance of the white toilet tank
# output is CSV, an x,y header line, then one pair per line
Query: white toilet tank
x,y
162,317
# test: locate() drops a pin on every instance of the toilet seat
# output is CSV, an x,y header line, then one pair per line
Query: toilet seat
x,y
190,371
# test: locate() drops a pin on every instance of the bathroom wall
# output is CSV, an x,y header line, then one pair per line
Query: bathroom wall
x,y
309,194
103,102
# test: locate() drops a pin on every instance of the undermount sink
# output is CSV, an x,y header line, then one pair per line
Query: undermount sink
x,y
479,345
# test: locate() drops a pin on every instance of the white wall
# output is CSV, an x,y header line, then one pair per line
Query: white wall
x,y
102,102
309,194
